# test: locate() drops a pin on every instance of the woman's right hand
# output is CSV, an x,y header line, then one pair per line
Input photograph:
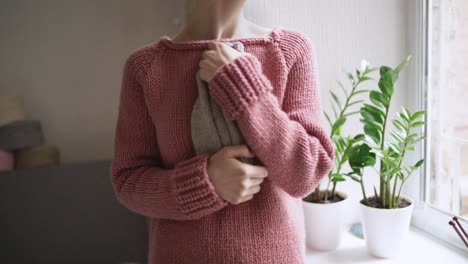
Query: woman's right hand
x,y
233,180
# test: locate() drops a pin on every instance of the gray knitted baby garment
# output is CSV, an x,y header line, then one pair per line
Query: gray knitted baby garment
x,y
210,127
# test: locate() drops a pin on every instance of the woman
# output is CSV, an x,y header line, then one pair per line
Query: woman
x,y
214,208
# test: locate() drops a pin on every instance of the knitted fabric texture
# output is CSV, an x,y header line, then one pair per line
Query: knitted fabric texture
x,y
273,95
211,128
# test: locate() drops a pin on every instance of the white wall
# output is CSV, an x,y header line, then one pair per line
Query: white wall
x,y
66,57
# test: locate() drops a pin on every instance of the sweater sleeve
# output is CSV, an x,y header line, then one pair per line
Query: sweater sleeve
x,y
289,140
140,182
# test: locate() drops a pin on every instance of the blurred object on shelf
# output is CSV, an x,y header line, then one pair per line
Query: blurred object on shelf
x,y
7,160
11,109
38,156
21,134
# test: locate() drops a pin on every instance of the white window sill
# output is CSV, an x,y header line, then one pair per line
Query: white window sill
x,y
417,247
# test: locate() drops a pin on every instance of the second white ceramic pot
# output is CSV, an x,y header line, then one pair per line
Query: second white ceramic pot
x,y
384,229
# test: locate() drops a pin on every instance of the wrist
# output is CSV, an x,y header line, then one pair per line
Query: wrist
x,y
239,84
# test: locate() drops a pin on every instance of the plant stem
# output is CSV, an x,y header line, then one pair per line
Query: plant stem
x,y
316,194
389,194
382,146
363,190
326,191
385,201
342,112
402,182
394,189
333,190
340,163
399,164
392,197
349,98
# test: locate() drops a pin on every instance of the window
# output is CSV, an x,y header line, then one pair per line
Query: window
x,y
449,93
440,43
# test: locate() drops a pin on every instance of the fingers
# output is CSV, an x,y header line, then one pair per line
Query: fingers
x,y
234,151
208,54
252,190
255,181
244,178
247,194
217,44
208,64
213,44
249,183
246,190
254,171
244,199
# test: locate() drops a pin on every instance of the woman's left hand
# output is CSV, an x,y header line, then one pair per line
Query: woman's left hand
x,y
215,57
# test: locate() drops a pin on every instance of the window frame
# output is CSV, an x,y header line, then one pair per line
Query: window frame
x,y
425,217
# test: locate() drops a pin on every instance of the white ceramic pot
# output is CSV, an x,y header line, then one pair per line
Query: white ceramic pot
x,y
384,229
324,224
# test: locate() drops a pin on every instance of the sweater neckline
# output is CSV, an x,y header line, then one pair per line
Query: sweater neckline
x,y
203,43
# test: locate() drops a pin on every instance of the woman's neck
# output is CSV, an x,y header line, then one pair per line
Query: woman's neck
x,y
214,19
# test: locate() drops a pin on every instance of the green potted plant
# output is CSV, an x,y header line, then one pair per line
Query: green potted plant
x,y
386,214
323,209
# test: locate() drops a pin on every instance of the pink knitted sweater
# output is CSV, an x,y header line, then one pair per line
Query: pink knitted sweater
x,y
273,94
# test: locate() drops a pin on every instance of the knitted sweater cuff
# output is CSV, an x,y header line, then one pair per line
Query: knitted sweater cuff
x,y
238,84
196,194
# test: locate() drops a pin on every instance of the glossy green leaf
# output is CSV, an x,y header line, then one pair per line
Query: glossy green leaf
x,y
350,77
414,141
401,176
400,67
358,73
328,119
355,102
337,177
354,178
395,148
359,137
369,70
373,133
361,156
351,113
419,163
338,123
418,123
342,88
358,92
368,115
373,124
397,136
407,112
379,98
399,125
375,110
404,118
336,99
335,111
383,70
417,115
385,83
395,170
